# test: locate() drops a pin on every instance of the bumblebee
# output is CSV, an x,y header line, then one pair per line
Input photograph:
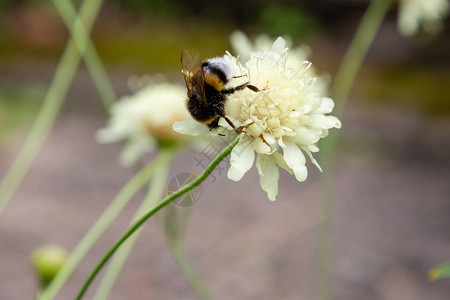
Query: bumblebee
x,y
205,82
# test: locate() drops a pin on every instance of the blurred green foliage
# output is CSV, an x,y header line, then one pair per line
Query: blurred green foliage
x,y
154,6
151,33
158,43
419,87
18,106
148,36
441,271
293,20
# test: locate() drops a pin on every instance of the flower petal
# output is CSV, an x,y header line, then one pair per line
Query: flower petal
x,y
279,45
281,143
260,146
409,18
241,160
306,136
278,157
326,106
109,135
313,148
223,123
326,122
256,129
268,175
241,44
190,126
269,138
311,157
296,160
133,150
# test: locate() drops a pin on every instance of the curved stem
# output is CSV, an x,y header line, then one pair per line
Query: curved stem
x,y
159,206
344,79
154,193
47,115
116,206
176,246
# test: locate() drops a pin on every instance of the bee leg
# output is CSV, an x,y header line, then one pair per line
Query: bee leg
x,y
241,87
238,130
229,122
239,76
253,88
232,90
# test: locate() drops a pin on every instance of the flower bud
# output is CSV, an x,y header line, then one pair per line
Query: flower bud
x,y
47,261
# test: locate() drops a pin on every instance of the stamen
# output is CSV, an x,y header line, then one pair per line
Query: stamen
x,y
308,66
304,66
264,140
311,82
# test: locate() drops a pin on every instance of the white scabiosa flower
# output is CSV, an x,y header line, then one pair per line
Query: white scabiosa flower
x,y
428,13
144,120
282,123
243,47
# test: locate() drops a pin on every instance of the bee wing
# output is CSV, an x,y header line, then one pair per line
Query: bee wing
x,y
193,74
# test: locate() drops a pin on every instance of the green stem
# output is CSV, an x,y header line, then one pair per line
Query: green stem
x,y
179,253
159,206
361,42
81,38
52,103
154,193
173,238
116,206
344,79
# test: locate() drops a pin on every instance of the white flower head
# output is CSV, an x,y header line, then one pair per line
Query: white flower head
x,y
144,119
428,13
243,48
281,123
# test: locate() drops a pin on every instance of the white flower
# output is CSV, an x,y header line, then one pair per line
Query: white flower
x,y
429,13
281,123
243,47
145,119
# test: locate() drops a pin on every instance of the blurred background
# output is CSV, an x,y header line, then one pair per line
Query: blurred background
x,y
391,210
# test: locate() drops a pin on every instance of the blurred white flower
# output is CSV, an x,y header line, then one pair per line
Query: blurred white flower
x,y
429,13
144,119
281,123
